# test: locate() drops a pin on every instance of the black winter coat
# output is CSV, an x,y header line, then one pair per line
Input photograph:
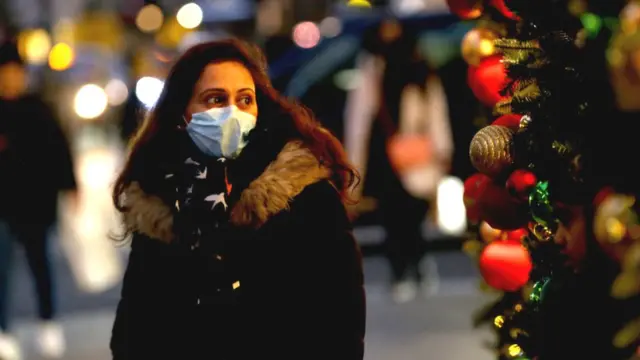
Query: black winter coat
x,y
291,288
33,147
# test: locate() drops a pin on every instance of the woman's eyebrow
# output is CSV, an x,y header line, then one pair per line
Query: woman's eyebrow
x,y
213,90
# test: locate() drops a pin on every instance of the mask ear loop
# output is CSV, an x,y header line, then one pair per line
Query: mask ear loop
x,y
181,126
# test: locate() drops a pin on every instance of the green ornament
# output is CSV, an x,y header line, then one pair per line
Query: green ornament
x,y
540,206
539,290
592,24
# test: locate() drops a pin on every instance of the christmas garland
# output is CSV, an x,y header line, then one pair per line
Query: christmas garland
x,y
527,63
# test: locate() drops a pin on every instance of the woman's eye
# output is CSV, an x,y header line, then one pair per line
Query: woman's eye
x,y
246,100
215,100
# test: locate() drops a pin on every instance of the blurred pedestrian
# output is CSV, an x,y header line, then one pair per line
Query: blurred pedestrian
x,y
35,166
241,242
397,135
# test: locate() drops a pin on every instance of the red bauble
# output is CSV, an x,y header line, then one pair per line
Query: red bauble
x,y
473,187
520,183
516,235
487,80
511,121
505,265
500,210
504,10
466,9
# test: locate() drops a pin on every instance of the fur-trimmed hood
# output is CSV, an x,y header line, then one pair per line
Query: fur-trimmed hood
x,y
294,168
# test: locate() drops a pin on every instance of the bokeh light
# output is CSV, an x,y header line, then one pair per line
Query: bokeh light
x,y
359,3
34,46
90,101
190,16
61,57
148,90
330,27
408,7
117,92
306,35
149,18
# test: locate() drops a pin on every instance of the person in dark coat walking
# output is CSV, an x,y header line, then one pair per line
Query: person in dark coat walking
x,y
241,244
36,165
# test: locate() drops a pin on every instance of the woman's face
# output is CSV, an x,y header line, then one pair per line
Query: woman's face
x,y
572,234
223,84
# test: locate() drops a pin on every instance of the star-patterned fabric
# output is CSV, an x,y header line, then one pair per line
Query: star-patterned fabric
x,y
201,198
202,219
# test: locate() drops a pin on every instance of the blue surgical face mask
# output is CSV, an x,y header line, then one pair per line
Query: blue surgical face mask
x,y
221,132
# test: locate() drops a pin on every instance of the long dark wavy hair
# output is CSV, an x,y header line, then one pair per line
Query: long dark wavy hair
x,y
154,146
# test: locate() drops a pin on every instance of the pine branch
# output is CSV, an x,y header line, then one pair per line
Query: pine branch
x,y
562,149
526,94
515,44
523,84
516,56
503,108
522,72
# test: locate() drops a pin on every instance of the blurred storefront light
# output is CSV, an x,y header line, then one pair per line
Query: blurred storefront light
x,y
61,57
106,29
97,169
306,35
94,262
190,16
269,17
148,90
90,102
452,216
171,33
117,92
410,7
64,31
34,46
150,18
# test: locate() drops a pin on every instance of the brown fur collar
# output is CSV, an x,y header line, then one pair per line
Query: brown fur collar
x,y
293,169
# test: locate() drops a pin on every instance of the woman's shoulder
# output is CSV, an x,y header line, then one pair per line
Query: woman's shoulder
x,y
319,206
318,197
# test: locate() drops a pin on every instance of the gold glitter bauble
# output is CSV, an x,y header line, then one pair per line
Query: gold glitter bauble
x,y
541,232
525,121
491,150
477,44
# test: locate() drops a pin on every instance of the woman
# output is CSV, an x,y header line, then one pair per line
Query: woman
x,y
241,244
579,317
